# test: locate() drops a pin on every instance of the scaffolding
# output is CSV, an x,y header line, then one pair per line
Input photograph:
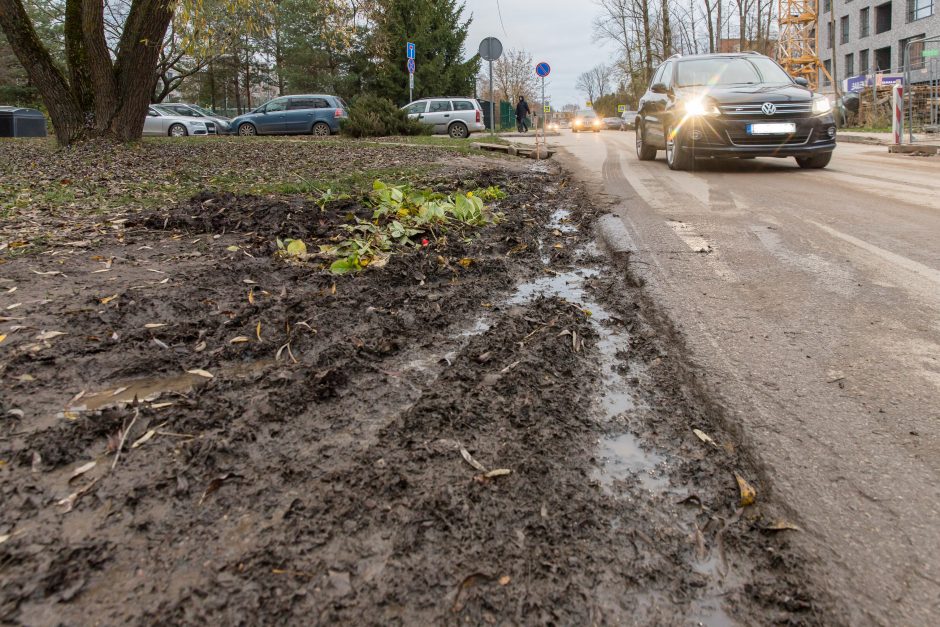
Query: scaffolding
x,y
799,40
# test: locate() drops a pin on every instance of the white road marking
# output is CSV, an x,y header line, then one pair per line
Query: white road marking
x,y
903,262
687,234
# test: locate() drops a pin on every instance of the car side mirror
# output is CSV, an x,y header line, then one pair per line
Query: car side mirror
x,y
802,82
659,88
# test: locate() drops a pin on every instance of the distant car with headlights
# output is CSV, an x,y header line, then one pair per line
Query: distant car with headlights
x,y
732,105
161,123
554,126
586,120
612,124
215,124
628,120
313,114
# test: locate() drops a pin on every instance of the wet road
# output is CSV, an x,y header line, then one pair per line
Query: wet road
x,y
811,301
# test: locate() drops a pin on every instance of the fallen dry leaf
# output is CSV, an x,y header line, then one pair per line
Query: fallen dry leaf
x,y
48,335
201,373
258,331
81,470
241,339
748,493
108,299
144,438
2,337
504,580
704,437
4,538
469,459
499,472
781,525
154,325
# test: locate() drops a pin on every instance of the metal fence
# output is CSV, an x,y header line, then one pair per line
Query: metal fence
x,y
922,90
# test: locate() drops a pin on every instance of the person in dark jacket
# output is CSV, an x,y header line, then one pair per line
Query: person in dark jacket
x,y
522,111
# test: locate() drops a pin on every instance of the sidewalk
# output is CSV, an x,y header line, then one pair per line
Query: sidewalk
x,y
854,137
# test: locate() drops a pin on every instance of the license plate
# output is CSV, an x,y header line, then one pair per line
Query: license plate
x,y
780,128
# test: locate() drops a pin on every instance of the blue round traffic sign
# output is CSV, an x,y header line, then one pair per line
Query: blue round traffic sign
x,y
543,69
411,66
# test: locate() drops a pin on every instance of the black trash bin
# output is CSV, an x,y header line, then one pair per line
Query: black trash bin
x,y
21,122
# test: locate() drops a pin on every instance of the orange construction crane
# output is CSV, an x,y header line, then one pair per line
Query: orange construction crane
x,y
799,40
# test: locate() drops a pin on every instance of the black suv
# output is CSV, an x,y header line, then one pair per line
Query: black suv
x,y
732,105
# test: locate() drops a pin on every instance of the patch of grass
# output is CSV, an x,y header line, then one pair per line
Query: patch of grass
x,y
38,178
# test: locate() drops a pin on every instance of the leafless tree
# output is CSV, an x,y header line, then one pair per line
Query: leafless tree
x,y
597,81
514,76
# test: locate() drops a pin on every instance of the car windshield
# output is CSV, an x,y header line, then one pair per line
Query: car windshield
x,y
587,114
729,71
205,112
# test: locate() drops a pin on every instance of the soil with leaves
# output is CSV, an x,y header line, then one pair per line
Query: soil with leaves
x,y
472,418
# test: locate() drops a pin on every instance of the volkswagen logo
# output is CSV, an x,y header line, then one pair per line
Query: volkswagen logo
x,y
769,108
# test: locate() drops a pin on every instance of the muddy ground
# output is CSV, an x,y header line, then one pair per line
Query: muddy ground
x,y
346,461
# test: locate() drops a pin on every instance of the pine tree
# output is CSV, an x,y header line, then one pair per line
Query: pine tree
x,y
439,31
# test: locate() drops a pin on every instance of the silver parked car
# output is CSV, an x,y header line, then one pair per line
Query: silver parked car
x,y
454,116
628,120
215,124
161,123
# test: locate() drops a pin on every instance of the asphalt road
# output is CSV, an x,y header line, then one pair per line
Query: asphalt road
x,y
811,302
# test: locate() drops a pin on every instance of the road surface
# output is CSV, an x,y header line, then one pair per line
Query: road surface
x,y
811,302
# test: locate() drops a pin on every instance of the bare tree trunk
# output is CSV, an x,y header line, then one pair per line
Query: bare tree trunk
x,y
647,40
709,9
104,98
667,30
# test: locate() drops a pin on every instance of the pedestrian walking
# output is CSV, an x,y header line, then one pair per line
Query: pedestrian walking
x,y
522,112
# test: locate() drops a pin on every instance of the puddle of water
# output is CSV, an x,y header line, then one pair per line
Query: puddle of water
x,y
623,458
622,455
560,221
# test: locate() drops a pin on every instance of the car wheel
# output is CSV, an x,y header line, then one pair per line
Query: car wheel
x,y
459,130
177,130
644,152
247,130
676,158
816,162
321,129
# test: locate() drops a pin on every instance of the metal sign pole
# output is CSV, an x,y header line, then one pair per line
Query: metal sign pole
x,y
492,109
490,50
543,107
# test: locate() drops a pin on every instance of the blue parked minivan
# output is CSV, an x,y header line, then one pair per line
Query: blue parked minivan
x,y
293,115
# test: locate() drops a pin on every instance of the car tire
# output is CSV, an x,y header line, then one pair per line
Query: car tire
x,y
321,129
247,130
459,130
644,152
177,130
676,158
816,162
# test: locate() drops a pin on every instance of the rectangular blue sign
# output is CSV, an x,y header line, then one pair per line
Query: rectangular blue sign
x,y
410,50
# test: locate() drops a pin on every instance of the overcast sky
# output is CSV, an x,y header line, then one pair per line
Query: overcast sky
x,y
559,32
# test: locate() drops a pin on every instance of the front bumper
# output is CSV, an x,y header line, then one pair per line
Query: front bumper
x,y
723,137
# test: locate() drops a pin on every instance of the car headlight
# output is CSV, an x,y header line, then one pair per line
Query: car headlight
x,y
698,107
822,105
577,122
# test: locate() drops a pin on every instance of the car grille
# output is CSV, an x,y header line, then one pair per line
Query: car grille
x,y
741,138
784,109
